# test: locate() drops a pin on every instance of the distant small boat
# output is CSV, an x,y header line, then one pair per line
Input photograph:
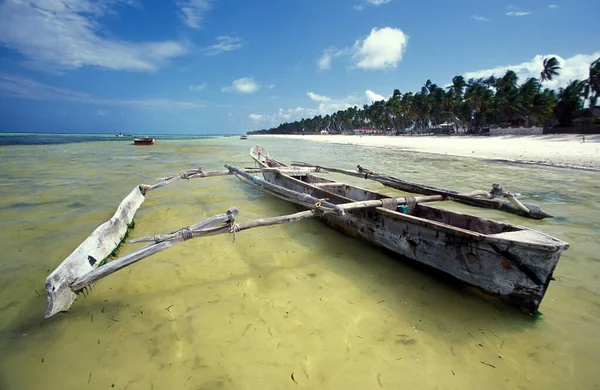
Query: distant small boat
x,y
120,135
144,141
244,137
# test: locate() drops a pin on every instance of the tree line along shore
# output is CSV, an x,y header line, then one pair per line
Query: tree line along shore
x,y
473,105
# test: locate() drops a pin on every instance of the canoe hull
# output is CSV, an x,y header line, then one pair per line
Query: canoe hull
x,y
144,141
499,263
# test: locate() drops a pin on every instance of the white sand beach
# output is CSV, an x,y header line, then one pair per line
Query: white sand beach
x,y
557,150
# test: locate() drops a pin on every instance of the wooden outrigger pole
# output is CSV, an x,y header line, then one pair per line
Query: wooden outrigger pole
x,y
491,200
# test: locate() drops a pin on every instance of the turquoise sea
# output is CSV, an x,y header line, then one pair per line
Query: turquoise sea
x,y
293,306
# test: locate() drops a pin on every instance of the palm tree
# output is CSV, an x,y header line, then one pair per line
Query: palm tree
x,y
528,91
591,87
569,103
551,68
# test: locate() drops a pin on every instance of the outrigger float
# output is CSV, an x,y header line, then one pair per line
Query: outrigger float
x,y
511,262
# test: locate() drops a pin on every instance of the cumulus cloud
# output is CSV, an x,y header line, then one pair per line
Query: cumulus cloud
x,y
12,86
325,105
518,13
224,44
193,12
66,34
198,87
573,68
243,85
382,49
480,18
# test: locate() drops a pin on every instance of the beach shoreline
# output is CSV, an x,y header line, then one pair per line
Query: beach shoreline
x,y
554,150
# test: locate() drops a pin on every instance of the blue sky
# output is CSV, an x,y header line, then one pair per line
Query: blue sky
x,y
224,66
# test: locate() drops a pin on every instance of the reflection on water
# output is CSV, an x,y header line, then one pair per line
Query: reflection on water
x,y
296,299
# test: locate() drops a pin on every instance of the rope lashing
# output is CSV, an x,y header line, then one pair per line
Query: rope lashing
x,y
389,203
186,234
367,172
411,202
234,229
318,204
144,188
188,174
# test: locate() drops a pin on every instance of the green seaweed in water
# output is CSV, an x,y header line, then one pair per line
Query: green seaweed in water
x,y
115,251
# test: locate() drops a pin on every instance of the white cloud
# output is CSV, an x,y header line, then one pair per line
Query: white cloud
x,y
192,12
198,87
360,7
382,49
318,98
224,44
552,6
326,105
518,13
480,18
324,63
23,88
102,112
58,35
243,85
378,2
573,68
255,117
271,86
373,97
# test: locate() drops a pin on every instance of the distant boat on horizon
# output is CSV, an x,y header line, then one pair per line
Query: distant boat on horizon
x,y
144,141
244,137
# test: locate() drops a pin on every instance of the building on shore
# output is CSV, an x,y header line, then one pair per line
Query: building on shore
x,y
366,130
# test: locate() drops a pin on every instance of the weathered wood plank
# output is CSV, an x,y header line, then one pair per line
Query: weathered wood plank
x,y
88,255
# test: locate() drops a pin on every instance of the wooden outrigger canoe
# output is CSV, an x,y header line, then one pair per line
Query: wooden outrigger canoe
x,y
514,263
511,262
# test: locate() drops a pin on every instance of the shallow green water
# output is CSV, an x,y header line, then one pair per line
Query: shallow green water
x,y
296,299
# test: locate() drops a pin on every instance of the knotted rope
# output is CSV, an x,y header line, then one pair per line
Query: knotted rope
x,y
411,202
234,229
318,204
186,233
389,203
